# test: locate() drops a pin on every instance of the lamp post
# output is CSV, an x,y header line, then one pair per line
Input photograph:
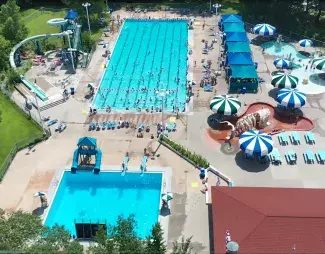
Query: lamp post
x,y
162,94
216,5
86,5
68,32
38,110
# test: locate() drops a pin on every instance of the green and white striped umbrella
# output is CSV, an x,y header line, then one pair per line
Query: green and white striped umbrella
x,y
283,80
167,196
319,63
225,105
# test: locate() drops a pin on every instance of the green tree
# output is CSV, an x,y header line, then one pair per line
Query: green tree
x,y
155,243
184,247
5,48
87,41
17,229
12,27
12,79
104,244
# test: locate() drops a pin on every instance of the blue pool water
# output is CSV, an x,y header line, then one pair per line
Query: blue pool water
x,y
285,50
85,196
148,54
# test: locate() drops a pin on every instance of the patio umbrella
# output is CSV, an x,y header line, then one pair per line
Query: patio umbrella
x,y
281,63
284,80
167,196
225,105
39,194
291,98
306,43
256,143
264,29
319,63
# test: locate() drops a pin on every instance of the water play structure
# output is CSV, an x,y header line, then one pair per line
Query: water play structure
x,y
87,147
68,23
125,164
36,89
143,166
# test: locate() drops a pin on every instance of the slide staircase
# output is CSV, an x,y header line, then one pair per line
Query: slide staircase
x,y
76,37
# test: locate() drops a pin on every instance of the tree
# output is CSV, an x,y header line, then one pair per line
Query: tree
x,y
104,244
5,48
53,240
87,41
13,78
155,243
17,229
12,27
185,247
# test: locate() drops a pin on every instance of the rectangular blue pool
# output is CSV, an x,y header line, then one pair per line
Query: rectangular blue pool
x,y
88,197
149,55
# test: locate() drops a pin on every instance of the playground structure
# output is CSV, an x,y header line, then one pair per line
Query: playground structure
x,y
69,23
87,147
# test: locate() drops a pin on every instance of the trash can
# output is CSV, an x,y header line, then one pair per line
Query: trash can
x,y
72,90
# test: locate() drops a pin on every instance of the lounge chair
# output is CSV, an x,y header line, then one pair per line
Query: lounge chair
x,y
283,139
104,125
295,137
310,137
208,88
109,125
52,122
113,125
320,156
275,156
61,127
91,126
309,156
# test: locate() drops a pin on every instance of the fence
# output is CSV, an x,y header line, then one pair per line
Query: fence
x,y
17,147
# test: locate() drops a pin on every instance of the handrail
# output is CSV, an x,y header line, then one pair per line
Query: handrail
x,y
143,64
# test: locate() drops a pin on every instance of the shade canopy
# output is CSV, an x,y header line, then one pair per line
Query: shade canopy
x,y
87,141
167,196
243,71
231,18
281,63
306,43
238,47
233,27
284,80
225,105
239,59
236,36
291,98
256,143
319,63
264,29
71,15
39,194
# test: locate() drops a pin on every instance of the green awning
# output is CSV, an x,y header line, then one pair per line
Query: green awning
x,y
243,71
238,47
233,27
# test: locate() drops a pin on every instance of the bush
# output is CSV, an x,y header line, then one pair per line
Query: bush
x,y
192,156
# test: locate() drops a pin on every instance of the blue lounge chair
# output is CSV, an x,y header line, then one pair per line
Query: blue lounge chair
x,y
295,138
310,137
91,126
97,126
52,122
104,125
283,138
208,88
309,156
113,125
291,157
275,156
109,125
320,156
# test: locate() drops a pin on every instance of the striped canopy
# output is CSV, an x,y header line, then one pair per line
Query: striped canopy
x,y
306,43
264,29
225,105
281,63
283,80
291,98
167,196
256,143
319,63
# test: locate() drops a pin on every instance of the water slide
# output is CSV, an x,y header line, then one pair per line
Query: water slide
x,y
98,160
75,158
36,37
32,86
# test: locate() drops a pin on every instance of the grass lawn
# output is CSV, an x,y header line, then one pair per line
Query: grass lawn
x,y
14,127
36,21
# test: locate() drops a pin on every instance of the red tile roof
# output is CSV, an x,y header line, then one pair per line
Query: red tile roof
x,y
269,220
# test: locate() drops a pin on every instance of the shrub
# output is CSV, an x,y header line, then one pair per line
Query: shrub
x,y
192,156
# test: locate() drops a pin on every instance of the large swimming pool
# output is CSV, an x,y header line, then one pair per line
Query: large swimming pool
x,y
149,55
86,197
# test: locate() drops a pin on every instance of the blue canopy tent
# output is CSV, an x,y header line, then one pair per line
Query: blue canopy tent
x,y
233,27
235,36
242,77
230,18
71,15
239,59
237,47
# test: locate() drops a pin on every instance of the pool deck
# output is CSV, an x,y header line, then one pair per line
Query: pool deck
x,y
34,170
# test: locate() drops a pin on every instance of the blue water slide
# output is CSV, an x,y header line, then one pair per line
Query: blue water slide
x,y
98,161
74,166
